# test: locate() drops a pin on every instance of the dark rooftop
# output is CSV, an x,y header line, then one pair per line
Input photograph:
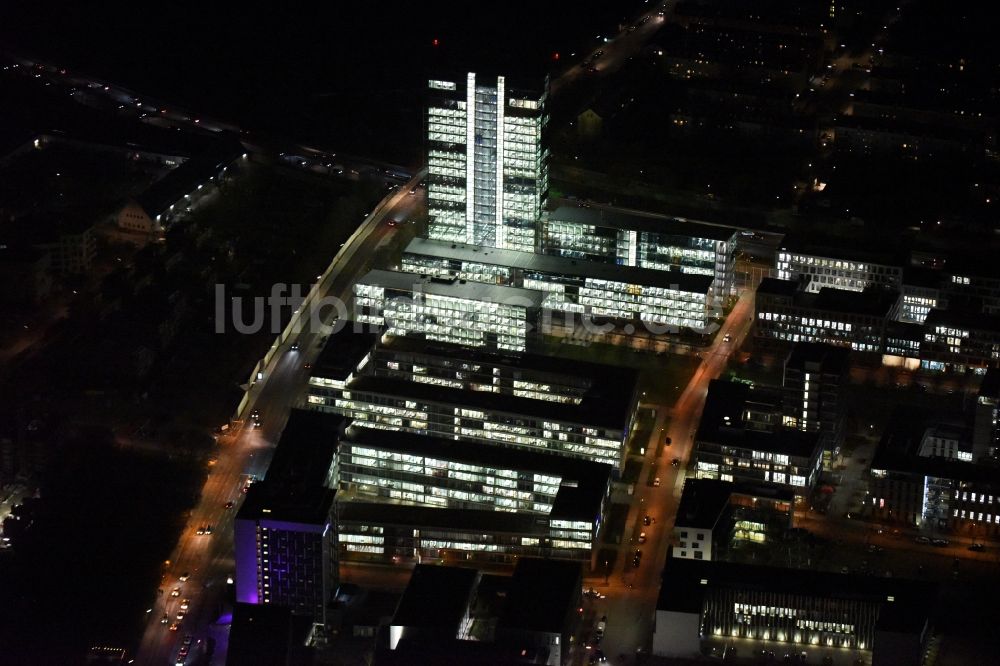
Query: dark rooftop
x,y
344,349
638,221
833,359
702,502
990,386
436,597
294,488
607,407
873,301
264,635
542,594
683,589
961,317
186,178
722,423
898,450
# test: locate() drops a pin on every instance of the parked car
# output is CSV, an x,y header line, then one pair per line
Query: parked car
x,y
922,539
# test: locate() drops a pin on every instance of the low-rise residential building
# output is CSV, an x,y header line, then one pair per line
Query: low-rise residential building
x,y
730,446
675,299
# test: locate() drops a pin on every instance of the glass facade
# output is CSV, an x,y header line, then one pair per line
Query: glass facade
x,y
836,273
453,316
487,166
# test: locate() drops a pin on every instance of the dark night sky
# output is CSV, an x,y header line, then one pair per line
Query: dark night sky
x,y
344,74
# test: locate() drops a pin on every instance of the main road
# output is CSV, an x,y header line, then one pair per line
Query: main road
x,y
631,593
246,453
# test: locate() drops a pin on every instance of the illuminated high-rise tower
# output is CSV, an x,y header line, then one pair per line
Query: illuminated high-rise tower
x,y
487,177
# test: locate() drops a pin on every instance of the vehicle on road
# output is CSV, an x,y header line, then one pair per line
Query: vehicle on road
x,y
728,337
598,657
647,520
165,619
174,626
977,547
602,624
676,462
642,537
255,418
656,482
940,543
922,539
183,577
667,441
295,346
185,603
230,504
176,592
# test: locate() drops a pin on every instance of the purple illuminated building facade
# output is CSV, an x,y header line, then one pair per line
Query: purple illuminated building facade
x,y
285,540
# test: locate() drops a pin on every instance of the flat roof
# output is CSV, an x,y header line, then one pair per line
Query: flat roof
x,y
473,291
837,248
558,265
294,487
642,221
833,358
584,483
436,597
608,407
964,318
900,444
682,589
874,301
541,595
702,502
990,386
594,375
344,349
729,399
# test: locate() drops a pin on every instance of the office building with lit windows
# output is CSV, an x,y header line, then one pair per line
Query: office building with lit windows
x,y
381,532
284,536
673,299
651,241
814,380
731,445
714,515
453,311
960,340
920,293
986,419
839,268
787,312
487,164
927,475
584,410
430,471
705,604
